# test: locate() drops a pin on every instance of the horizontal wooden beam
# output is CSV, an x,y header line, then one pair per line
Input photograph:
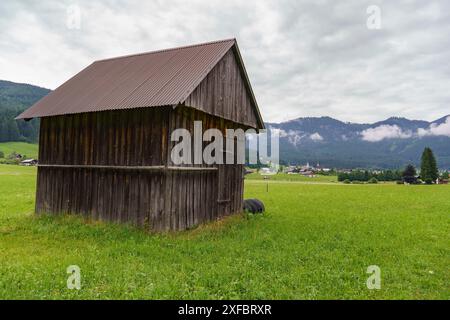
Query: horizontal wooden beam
x,y
192,168
85,166
138,168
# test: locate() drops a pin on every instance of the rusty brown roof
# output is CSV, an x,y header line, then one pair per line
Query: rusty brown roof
x,y
159,78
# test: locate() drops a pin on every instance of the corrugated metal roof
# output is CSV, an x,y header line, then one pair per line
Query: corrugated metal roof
x,y
158,78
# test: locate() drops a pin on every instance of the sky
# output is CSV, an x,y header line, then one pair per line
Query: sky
x,y
354,60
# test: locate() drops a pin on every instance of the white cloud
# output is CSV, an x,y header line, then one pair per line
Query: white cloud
x,y
295,138
316,137
442,129
385,132
281,133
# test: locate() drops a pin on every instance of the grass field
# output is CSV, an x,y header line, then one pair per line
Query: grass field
x,y
28,149
291,177
314,242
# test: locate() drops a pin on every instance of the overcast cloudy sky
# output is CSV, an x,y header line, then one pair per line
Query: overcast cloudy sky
x,y
304,58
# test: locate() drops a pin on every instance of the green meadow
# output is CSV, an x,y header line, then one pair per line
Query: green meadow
x,y
315,241
28,149
291,177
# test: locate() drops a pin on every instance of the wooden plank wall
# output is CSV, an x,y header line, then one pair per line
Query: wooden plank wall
x,y
223,93
121,138
156,200
113,138
224,194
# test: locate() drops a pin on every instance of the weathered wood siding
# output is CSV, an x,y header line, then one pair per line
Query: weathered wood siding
x,y
227,190
224,93
121,138
115,166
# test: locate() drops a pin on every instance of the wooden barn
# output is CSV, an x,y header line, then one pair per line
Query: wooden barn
x,y
104,143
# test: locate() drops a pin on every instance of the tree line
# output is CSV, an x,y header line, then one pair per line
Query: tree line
x,y
366,175
429,173
12,130
14,99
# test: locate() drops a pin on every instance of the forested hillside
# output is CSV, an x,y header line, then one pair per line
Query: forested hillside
x,y
15,98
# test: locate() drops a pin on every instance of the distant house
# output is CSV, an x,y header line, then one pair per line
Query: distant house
x,y
306,170
306,167
248,171
29,162
15,156
319,168
291,169
442,181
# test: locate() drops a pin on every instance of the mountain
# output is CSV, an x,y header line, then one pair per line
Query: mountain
x,y
14,99
391,143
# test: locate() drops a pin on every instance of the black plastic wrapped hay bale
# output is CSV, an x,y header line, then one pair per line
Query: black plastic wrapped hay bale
x,y
253,206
